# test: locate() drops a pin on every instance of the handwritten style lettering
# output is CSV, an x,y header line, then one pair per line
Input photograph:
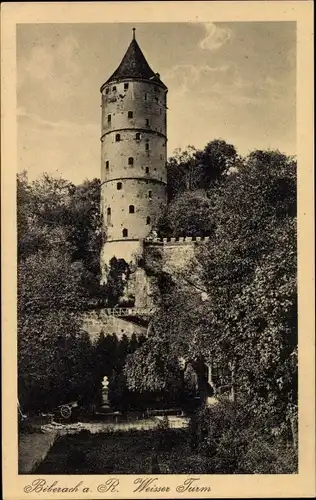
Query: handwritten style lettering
x,y
41,486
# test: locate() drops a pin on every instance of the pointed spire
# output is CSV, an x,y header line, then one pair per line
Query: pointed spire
x,y
134,66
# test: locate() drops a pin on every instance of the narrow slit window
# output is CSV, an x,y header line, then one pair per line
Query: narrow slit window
x,y
107,165
148,220
108,211
109,118
131,161
138,136
147,170
107,91
130,114
119,186
125,233
125,86
147,146
131,209
145,97
147,122
117,137
150,194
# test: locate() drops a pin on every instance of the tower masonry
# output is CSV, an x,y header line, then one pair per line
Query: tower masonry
x,y
134,155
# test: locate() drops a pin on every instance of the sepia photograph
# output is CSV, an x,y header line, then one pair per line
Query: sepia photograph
x,y
157,298
157,278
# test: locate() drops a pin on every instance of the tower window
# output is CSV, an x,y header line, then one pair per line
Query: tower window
x,y
109,118
145,97
130,114
119,186
125,86
117,138
148,220
137,136
131,209
131,161
107,164
147,170
108,211
147,122
147,146
125,233
150,194
107,91
114,88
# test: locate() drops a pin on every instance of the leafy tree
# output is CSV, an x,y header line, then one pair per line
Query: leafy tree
x,y
215,161
238,308
187,215
117,276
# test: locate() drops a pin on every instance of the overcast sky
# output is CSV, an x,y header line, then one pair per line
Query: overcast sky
x,y
235,81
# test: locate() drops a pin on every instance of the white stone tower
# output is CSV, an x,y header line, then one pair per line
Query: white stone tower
x,y
134,154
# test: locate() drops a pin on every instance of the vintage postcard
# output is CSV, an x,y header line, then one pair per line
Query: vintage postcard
x,y
157,230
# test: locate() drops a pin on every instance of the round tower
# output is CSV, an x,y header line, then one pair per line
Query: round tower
x,y
134,154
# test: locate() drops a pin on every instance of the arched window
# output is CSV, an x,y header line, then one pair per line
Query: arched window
x,y
147,170
109,118
131,161
119,186
114,88
150,194
107,164
117,138
137,136
108,211
148,220
131,209
130,114
125,233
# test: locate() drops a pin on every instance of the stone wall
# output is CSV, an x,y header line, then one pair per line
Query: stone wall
x,y
96,321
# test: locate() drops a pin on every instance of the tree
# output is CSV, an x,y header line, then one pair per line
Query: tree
x,y
117,276
215,161
245,322
187,215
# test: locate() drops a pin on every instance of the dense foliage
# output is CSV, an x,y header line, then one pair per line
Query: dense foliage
x,y
59,238
233,306
236,304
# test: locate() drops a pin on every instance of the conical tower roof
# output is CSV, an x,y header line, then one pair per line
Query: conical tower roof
x,y
134,66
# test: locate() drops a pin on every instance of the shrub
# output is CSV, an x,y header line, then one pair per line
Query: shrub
x,y
232,441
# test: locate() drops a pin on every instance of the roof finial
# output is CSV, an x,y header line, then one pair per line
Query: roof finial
x,y
134,29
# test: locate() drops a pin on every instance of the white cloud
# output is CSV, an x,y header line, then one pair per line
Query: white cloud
x,y
215,37
183,77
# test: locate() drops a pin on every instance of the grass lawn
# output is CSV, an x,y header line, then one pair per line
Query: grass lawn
x,y
129,452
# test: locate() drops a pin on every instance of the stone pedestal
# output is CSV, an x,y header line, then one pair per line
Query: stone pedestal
x,y
105,398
